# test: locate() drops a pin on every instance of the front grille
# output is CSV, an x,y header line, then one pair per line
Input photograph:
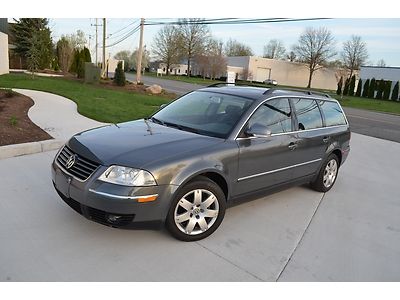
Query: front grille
x,y
81,169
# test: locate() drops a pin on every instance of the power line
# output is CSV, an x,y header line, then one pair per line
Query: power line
x,y
113,35
129,34
230,21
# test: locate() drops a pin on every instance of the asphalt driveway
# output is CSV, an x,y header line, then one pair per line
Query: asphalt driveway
x,y
351,233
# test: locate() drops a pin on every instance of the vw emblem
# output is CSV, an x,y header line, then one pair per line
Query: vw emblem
x,y
70,162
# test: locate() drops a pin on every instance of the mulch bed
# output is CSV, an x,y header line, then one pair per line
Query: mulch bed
x,y
15,125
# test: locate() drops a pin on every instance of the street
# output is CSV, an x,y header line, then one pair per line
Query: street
x,y
380,125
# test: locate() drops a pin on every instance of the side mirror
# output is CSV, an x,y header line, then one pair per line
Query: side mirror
x,y
259,131
163,105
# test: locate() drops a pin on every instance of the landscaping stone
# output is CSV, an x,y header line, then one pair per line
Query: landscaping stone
x,y
154,89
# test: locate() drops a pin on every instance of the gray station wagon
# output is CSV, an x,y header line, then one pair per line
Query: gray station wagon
x,y
187,162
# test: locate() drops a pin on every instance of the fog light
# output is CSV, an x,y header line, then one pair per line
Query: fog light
x,y
113,218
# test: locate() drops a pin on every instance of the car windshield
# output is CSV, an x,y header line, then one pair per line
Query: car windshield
x,y
206,113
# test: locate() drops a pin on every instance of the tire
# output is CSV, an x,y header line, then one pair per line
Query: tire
x,y
197,210
327,174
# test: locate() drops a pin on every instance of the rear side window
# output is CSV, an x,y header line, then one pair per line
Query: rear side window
x,y
332,113
308,114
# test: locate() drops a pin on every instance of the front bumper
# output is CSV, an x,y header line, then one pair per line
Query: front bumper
x,y
111,204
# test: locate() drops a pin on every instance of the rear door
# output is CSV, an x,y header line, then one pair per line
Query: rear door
x,y
311,143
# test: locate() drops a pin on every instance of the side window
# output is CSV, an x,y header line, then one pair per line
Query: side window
x,y
275,115
332,113
308,114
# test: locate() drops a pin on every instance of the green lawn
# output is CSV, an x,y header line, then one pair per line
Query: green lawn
x,y
94,101
194,80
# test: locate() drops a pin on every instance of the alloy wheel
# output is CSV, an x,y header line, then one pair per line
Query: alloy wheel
x,y
330,173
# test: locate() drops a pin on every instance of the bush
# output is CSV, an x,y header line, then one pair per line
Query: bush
x,y
380,86
365,89
395,92
359,88
352,85
346,87
386,89
86,55
372,87
339,86
119,77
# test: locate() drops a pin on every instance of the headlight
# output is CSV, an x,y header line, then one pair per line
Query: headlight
x,y
127,176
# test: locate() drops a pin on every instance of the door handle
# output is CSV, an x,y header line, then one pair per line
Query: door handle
x,y
326,139
292,146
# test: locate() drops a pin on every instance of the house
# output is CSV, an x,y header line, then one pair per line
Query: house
x,y
4,63
259,69
175,69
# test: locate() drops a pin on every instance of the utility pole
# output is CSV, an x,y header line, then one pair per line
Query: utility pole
x,y
139,59
104,48
97,42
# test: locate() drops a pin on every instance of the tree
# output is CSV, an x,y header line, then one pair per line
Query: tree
x,y
372,87
235,48
346,87
380,86
33,54
381,63
386,89
291,56
167,45
315,47
352,85
23,31
366,89
77,40
339,86
212,63
395,92
359,88
119,77
354,53
126,56
193,37
78,62
274,49
86,55
145,58
64,53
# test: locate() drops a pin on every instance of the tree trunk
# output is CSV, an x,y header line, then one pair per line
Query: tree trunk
x,y
310,78
167,71
188,68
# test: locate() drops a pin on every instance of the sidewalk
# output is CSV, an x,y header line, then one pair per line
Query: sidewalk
x,y
56,115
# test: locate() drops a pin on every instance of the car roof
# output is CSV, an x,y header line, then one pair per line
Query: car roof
x,y
261,93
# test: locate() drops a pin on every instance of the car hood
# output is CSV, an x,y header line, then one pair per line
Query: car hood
x,y
136,143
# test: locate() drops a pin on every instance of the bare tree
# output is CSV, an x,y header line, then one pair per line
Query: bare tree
x,y
274,49
315,47
354,54
211,63
65,53
381,63
166,45
235,48
77,40
193,36
126,56
145,58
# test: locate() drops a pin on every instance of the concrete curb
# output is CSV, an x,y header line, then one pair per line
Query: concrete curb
x,y
9,151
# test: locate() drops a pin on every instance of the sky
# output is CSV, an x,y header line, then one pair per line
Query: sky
x,y
382,35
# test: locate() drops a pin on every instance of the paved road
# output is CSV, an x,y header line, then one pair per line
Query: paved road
x,y
349,234
380,125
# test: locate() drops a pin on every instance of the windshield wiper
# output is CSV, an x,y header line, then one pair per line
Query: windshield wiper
x,y
155,120
181,127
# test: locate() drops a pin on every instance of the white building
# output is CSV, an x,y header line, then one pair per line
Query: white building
x,y
4,63
175,69
258,69
385,73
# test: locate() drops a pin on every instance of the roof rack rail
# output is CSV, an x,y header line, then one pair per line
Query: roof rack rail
x,y
309,92
237,84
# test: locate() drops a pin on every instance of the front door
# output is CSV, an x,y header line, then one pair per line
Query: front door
x,y
266,161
